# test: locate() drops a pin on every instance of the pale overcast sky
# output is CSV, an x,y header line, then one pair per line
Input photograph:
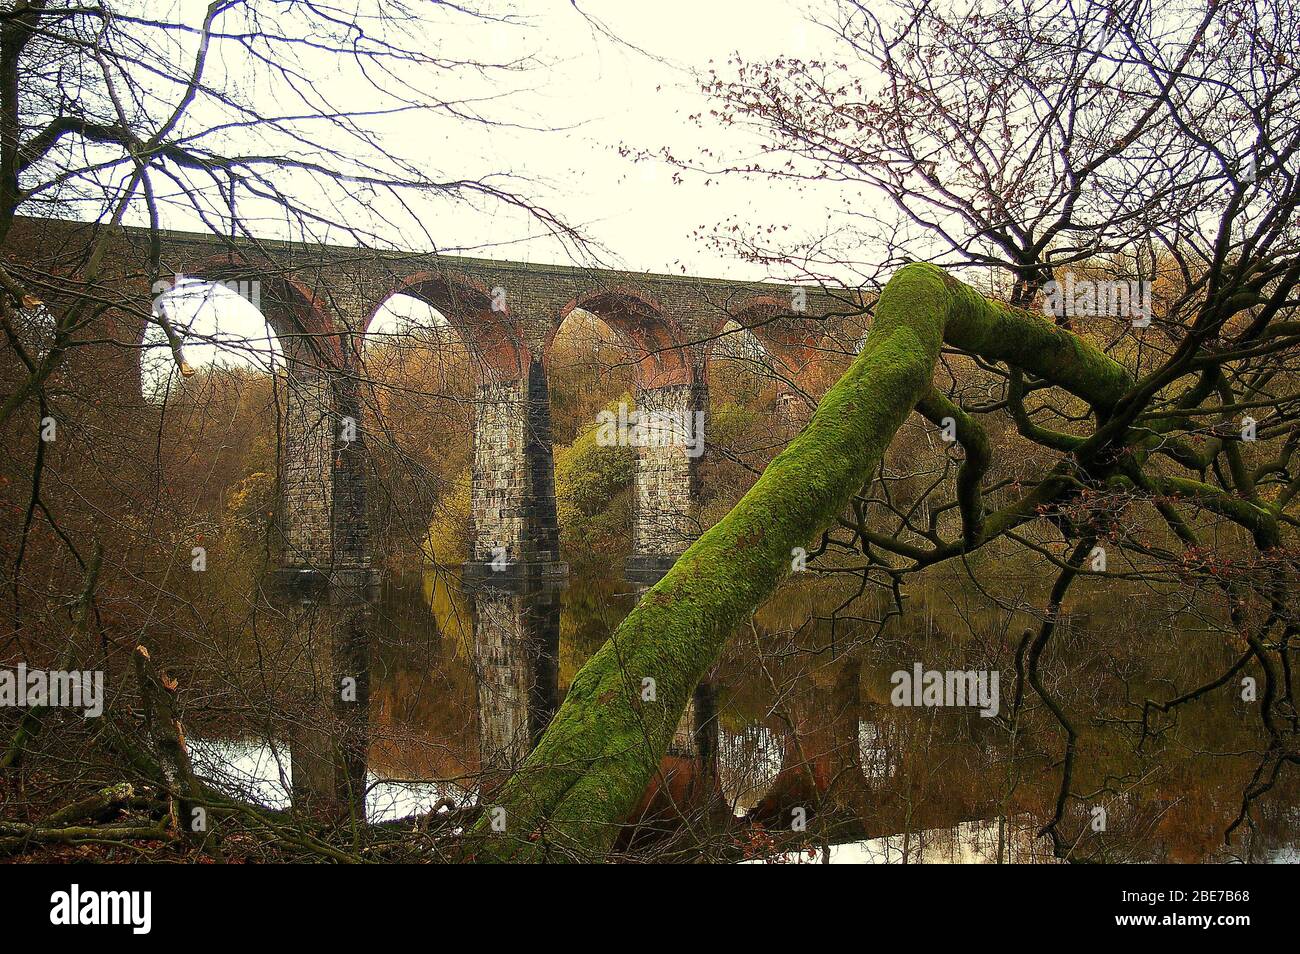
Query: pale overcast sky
x,y
595,96
620,97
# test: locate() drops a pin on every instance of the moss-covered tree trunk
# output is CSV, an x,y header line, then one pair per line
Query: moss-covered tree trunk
x,y
607,739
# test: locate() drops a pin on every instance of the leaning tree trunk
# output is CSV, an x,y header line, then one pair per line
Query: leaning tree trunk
x,y
605,743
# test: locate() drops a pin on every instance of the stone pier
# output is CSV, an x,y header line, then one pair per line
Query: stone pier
x,y
306,471
324,469
515,530
673,425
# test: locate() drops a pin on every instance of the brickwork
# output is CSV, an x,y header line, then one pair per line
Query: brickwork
x,y
667,468
320,299
500,479
349,517
306,471
513,480
323,466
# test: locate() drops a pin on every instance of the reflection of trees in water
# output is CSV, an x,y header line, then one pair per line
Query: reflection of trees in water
x,y
594,603
460,686
1000,840
423,706
920,769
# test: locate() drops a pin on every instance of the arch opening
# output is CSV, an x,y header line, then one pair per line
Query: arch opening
x,y
420,391
655,343
479,316
588,369
226,314
409,345
790,341
218,328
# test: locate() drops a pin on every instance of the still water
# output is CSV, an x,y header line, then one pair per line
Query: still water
x,y
791,748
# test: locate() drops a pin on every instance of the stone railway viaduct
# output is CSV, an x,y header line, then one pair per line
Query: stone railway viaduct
x,y
320,300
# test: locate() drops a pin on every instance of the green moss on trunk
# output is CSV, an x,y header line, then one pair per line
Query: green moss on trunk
x,y
605,744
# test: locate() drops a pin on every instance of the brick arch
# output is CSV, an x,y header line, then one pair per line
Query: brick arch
x,y
301,321
790,340
656,341
490,333
718,331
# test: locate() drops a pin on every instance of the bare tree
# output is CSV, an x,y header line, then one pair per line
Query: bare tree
x,y
1074,232
248,121
1055,148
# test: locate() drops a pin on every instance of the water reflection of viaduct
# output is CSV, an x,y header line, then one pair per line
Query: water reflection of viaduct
x,y
320,302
